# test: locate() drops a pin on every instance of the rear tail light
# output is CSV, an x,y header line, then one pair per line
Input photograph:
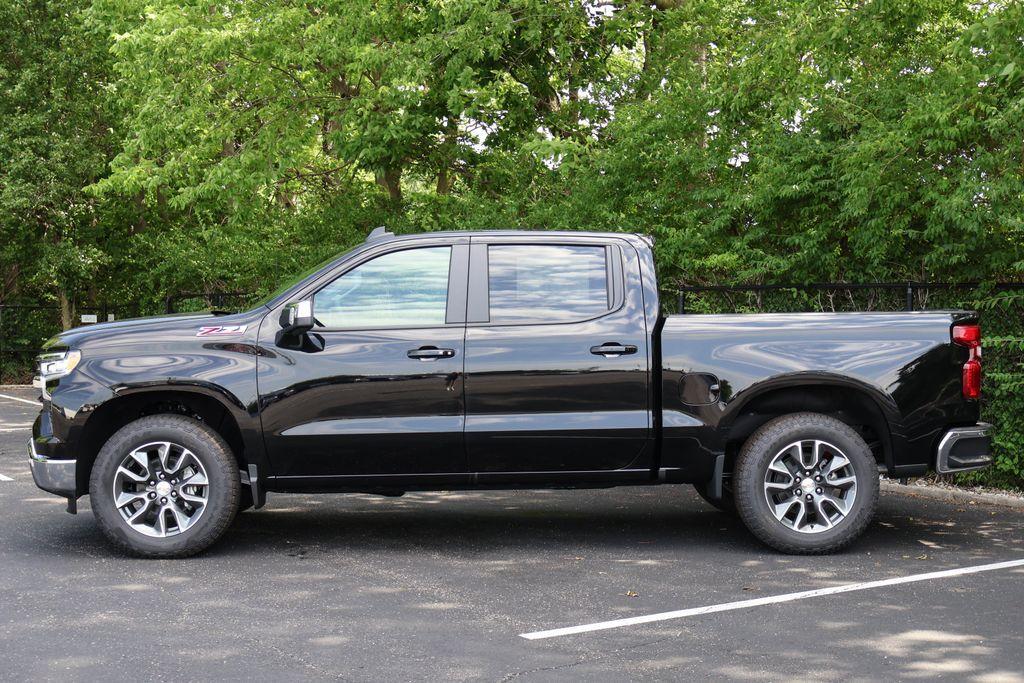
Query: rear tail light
x,y
967,335
970,336
972,379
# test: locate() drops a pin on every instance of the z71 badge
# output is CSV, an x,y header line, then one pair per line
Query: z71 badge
x,y
220,330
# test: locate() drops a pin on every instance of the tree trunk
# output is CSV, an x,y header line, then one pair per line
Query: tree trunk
x,y
444,185
645,69
391,180
138,223
9,280
67,310
650,39
451,136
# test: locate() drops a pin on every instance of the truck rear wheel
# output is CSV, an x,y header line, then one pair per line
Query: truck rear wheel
x,y
806,484
164,486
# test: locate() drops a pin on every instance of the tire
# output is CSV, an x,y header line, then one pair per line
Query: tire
x,y
836,514
726,504
171,446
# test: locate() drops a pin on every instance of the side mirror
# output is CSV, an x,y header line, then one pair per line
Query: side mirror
x,y
297,318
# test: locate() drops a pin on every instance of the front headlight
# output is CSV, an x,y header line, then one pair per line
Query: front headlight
x,y
55,365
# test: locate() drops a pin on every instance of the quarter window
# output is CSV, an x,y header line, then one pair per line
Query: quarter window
x,y
401,289
546,283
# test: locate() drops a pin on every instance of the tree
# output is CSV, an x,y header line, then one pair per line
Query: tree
x,y
237,102
54,141
798,142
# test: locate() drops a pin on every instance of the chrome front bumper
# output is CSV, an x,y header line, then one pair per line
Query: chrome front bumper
x,y
55,476
965,448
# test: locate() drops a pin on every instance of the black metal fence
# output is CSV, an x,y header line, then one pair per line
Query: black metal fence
x,y
839,296
197,301
25,326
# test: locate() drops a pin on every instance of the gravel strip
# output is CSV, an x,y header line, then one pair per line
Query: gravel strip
x,y
954,494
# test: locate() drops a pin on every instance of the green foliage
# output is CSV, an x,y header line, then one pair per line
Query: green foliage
x,y
54,116
1003,317
801,144
1004,386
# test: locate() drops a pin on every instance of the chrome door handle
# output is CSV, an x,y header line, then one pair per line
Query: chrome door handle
x,y
430,353
612,349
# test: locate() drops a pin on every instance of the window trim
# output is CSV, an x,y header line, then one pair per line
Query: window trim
x,y
478,311
457,267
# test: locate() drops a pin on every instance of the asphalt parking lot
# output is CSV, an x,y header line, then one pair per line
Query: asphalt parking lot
x,y
442,585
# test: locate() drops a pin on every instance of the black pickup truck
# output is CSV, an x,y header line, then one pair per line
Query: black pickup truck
x,y
501,359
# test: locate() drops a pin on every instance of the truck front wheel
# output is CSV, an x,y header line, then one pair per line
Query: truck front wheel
x,y
164,486
806,484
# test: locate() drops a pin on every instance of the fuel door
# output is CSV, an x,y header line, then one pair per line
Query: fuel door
x,y
699,389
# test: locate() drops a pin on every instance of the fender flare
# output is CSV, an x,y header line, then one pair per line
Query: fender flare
x,y
247,423
889,412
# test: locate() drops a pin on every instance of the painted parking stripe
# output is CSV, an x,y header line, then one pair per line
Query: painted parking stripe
x,y
757,602
4,477
23,400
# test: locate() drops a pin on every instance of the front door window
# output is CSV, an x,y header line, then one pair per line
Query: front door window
x,y
401,289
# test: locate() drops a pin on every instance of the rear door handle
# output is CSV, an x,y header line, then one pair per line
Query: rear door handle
x,y
430,353
612,349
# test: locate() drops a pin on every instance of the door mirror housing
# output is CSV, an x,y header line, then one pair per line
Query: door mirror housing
x,y
297,318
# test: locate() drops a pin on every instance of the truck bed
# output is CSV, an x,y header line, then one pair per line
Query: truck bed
x,y
902,369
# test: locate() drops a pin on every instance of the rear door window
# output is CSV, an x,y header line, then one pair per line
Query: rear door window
x,y
546,283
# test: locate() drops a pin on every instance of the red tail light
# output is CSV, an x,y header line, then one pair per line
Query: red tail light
x,y
967,335
970,336
972,379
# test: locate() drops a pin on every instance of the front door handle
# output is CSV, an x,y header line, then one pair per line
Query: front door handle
x,y
425,353
612,349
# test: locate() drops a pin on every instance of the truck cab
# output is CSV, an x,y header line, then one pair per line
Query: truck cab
x,y
493,358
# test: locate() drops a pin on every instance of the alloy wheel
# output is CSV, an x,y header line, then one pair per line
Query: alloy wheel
x,y
810,486
161,489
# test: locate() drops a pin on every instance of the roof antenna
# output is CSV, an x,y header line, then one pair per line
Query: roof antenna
x,y
379,233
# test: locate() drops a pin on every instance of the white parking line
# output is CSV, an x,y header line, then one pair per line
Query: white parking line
x,y
4,477
757,602
23,400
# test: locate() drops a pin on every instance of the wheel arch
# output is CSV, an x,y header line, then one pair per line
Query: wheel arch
x,y
862,406
129,405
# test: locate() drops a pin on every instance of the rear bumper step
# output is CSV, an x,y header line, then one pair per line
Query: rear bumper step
x,y
965,448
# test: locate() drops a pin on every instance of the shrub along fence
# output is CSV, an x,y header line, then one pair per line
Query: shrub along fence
x,y
25,326
1002,322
